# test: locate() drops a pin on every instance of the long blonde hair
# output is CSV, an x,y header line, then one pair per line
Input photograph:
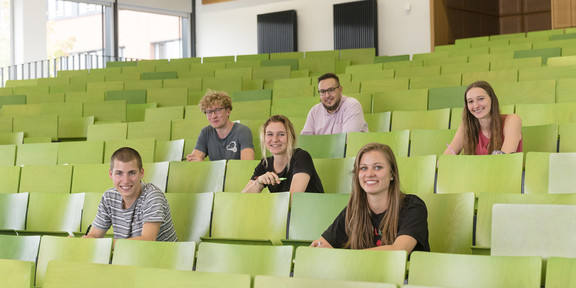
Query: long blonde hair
x,y
290,134
471,124
359,227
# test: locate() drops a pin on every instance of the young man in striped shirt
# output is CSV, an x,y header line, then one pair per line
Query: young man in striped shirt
x,y
136,210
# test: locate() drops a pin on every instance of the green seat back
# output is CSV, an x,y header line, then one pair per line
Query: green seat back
x,y
155,254
368,265
450,222
312,214
23,248
453,270
457,174
250,216
245,259
417,174
397,140
13,208
323,146
191,214
194,177
71,249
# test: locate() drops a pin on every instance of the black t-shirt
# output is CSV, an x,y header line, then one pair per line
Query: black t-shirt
x,y
301,162
413,221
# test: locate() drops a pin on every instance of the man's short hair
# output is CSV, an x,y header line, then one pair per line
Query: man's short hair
x,y
215,98
328,76
125,155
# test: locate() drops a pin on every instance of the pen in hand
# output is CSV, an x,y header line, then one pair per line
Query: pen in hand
x,y
450,149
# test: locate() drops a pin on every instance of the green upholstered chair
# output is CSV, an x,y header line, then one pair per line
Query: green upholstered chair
x,y
23,248
457,174
13,208
417,174
46,178
71,249
454,270
397,140
16,273
249,218
323,146
191,214
311,214
245,259
193,177
10,178
536,169
238,174
262,281
428,119
450,222
335,174
368,265
155,254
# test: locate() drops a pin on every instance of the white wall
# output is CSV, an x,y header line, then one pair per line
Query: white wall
x,y
230,28
29,37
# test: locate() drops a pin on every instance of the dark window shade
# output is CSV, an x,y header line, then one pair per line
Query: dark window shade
x,y
356,25
277,32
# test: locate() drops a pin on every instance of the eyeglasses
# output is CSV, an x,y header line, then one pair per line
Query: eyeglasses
x,y
215,111
329,90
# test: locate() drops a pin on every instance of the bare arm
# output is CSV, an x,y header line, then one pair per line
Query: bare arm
x,y
95,233
256,185
247,154
512,133
196,155
402,242
321,243
253,187
299,183
457,142
149,231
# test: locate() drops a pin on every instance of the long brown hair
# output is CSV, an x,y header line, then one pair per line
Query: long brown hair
x,y
359,227
471,124
290,134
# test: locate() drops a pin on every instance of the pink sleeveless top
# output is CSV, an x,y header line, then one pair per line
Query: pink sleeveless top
x,y
483,141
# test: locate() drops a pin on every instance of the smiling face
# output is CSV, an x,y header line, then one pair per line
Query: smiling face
x,y
126,178
218,116
330,100
374,172
276,138
478,102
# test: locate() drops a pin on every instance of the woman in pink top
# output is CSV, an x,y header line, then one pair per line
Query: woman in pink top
x,y
484,130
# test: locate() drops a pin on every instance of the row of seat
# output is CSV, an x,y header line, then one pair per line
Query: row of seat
x,y
171,123
506,82
264,218
483,271
544,173
72,262
165,140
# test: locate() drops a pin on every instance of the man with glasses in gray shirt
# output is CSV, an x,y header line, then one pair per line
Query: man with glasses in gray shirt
x,y
222,139
336,113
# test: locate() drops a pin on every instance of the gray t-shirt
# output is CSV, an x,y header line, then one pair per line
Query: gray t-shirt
x,y
151,206
239,138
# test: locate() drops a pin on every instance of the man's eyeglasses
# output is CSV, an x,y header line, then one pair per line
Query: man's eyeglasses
x,y
215,111
329,90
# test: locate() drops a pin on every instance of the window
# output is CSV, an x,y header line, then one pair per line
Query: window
x,y
74,28
150,35
5,37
